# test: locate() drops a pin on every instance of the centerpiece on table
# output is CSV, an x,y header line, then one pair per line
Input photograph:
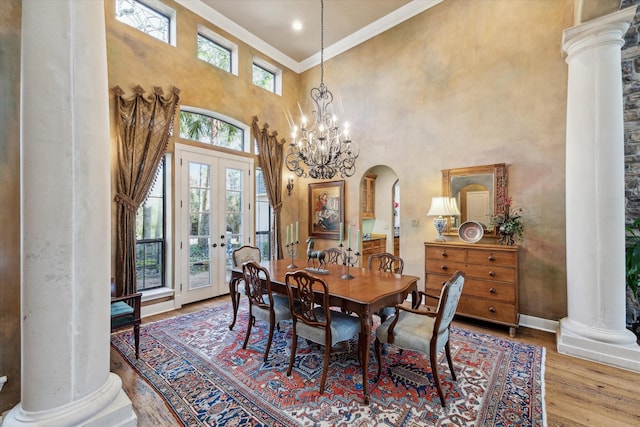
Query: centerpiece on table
x,y
508,223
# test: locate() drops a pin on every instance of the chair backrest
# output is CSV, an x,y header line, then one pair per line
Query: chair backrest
x,y
449,298
386,262
333,256
245,253
310,291
258,284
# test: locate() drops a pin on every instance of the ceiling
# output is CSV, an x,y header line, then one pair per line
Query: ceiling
x,y
267,24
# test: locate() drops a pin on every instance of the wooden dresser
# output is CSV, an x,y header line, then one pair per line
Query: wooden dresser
x,y
375,245
490,290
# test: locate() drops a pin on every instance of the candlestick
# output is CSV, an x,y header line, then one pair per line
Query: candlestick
x,y
341,233
297,229
287,233
349,237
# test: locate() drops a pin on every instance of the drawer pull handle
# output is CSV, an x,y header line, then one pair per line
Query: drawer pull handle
x,y
492,273
444,254
444,267
492,310
492,290
491,258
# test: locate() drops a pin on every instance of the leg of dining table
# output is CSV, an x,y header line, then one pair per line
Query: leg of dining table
x,y
366,321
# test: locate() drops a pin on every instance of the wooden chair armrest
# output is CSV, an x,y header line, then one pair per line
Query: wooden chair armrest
x,y
419,311
136,296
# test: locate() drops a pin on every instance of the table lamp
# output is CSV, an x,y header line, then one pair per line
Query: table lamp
x,y
441,207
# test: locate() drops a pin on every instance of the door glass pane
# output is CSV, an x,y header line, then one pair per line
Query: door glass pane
x,y
199,230
234,196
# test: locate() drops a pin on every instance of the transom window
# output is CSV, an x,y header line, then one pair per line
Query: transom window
x,y
211,130
211,52
267,76
149,16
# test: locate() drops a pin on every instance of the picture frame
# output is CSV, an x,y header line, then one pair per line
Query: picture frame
x,y
326,209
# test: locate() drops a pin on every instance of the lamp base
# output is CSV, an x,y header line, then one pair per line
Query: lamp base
x,y
440,223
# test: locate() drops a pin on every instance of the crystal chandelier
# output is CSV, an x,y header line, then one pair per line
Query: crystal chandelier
x,y
324,148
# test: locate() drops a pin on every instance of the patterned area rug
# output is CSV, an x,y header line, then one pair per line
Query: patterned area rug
x,y
207,379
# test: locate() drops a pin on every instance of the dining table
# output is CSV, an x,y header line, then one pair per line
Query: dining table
x,y
355,290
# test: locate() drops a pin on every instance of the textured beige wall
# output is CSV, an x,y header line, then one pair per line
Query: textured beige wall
x,y
467,83
10,11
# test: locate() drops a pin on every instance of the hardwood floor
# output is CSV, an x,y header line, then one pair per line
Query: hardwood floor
x,y
577,392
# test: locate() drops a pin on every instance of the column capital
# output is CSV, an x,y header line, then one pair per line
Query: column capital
x,y
606,30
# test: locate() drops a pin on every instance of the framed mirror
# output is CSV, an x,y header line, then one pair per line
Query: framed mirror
x,y
479,192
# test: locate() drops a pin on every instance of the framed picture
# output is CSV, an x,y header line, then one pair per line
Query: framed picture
x,y
326,209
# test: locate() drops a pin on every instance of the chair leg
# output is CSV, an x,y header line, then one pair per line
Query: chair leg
x,y
249,323
448,352
136,338
378,347
294,347
433,358
266,350
325,367
235,301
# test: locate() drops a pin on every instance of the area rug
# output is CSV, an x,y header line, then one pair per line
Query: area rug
x,y
198,365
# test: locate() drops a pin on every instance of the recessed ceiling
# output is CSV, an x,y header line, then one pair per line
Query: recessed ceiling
x,y
266,24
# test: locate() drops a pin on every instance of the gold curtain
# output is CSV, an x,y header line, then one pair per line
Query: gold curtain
x,y
143,127
271,159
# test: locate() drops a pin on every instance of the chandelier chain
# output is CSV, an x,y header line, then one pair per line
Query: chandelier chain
x,y
322,41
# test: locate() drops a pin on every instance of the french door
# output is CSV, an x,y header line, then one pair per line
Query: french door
x,y
214,193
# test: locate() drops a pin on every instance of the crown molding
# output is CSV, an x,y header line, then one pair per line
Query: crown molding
x,y
407,11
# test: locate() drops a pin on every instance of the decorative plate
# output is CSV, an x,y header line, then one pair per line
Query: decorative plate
x,y
471,231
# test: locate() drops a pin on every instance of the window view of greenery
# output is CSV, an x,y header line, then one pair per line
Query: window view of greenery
x,y
264,78
264,217
150,237
143,18
213,53
209,130
200,219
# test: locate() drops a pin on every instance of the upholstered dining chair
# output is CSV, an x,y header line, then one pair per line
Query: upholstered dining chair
x,y
314,320
385,262
333,256
240,256
263,303
125,313
422,330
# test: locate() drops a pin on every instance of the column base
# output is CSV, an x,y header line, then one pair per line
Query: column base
x,y
615,348
108,406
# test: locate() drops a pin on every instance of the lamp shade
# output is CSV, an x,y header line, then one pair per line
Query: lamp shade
x,y
442,206
454,206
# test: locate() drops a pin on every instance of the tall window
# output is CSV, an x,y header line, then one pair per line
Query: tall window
x,y
149,16
150,237
264,217
210,130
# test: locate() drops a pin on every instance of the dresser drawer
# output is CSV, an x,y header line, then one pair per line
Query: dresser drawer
x,y
489,257
489,272
448,254
443,266
491,290
495,311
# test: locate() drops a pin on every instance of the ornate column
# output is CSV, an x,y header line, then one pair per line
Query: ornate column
x,y
65,208
595,326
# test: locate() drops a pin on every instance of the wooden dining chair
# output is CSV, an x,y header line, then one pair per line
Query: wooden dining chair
x,y
240,256
385,262
333,256
263,303
314,320
423,330
125,313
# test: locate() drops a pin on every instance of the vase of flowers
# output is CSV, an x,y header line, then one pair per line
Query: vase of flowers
x,y
508,223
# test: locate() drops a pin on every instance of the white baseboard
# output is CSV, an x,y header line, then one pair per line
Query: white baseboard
x,y
539,323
